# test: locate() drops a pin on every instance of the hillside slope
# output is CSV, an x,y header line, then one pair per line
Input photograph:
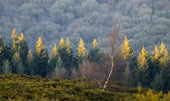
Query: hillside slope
x,y
146,23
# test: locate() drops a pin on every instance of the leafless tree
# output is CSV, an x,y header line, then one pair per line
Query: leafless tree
x,y
94,71
112,42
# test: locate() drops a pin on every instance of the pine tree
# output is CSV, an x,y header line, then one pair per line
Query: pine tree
x,y
160,56
158,82
6,68
20,45
126,51
68,47
164,58
66,54
128,59
94,44
156,54
81,54
55,59
17,64
143,59
141,75
40,58
61,44
95,54
14,35
22,48
29,63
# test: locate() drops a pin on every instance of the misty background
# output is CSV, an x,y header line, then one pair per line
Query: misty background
x,y
144,22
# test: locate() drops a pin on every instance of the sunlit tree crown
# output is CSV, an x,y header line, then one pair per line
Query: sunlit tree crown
x,y
156,53
29,56
162,48
126,49
68,47
164,59
20,38
62,43
143,59
54,52
81,49
14,34
39,47
94,44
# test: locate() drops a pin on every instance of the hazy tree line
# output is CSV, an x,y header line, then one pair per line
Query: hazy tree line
x,y
146,70
18,58
144,22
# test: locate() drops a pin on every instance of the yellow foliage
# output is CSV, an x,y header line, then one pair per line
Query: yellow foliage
x,y
20,38
164,60
1,49
62,43
14,34
54,52
29,56
161,54
150,96
142,59
156,53
162,48
94,43
81,49
68,47
14,46
126,49
39,47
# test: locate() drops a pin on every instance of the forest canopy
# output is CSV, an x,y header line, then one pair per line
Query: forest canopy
x,y
145,23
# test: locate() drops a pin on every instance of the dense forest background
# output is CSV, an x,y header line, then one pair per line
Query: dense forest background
x,y
115,41
144,22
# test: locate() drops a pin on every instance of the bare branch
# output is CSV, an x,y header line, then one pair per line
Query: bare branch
x,y
113,35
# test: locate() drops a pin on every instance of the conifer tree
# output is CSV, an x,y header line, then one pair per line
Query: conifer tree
x,y
55,60
61,45
164,58
68,47
81,54
66,54
160,56
4,53
126,51
20,45
95,54
156,54
14,34
17,64
141,76
40,58
158,82
29,64
6,68
143,59
128,59
22,48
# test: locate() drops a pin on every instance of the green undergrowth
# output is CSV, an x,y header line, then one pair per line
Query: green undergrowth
x,y
35,88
